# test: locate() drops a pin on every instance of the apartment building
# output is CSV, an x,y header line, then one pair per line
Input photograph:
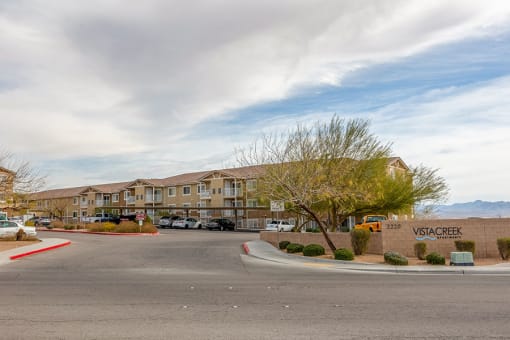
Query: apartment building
x,y
205,194
6,188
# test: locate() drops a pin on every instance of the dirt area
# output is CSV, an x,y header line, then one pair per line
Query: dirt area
x,y
8,245
413,261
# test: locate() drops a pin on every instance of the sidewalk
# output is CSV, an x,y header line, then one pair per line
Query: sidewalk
x,y
46,244
265,251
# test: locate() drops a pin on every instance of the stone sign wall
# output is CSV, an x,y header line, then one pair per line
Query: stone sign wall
x,y
440,235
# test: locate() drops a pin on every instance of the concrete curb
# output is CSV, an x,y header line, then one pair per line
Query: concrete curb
x,y
265,251
99,233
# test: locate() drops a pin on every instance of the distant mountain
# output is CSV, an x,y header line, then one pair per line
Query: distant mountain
x,y
473,209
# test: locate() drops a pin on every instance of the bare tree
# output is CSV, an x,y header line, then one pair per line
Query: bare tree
x,y
334,169
24,179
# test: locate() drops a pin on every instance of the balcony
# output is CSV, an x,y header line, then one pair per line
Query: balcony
x,y
155,199
102,203
205,195
232,192
130,200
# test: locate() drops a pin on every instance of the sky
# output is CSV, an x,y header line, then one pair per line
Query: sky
x,y
103,91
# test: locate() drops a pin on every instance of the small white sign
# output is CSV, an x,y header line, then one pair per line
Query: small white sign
x,y
277,206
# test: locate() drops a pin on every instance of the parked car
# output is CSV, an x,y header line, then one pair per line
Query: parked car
x,y
106,217
166,221
188,222
220,224
43,221
11,228
279,225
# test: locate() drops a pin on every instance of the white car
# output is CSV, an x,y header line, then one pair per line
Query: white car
x,y
188,222
279,225
11,228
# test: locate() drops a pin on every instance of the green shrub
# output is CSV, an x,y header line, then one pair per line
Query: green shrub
x,y
344,254
312,230
464,245
395,259
359,241
295,248
435,258
420,249
504,247
283,244
313,250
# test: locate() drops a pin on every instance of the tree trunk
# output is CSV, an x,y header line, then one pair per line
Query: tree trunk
x,y
321,227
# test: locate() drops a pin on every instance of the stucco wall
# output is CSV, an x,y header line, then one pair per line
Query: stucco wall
x,y
340,240
400,236
440,235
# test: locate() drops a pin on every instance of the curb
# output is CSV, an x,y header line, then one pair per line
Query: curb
x,y
17,256
99,233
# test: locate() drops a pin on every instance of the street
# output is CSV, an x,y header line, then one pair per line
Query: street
x,y
196,284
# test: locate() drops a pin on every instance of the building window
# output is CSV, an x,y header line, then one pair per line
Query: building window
x,y
186,190
115,197
115,211
75,214
251,185
251,203
171,192
137,197
126,195
200,188
75,201
186,205
219,191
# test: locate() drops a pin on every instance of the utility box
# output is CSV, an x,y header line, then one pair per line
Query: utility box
x,y
461,258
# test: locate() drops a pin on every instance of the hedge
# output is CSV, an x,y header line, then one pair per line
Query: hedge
x,y
295,248
344,254
435,258
504,247
464,245
359,241
313,250
395,259
420,249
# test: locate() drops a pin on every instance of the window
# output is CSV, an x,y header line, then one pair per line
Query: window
x,y
126,195
137,197
75,214
251,185
171,192
186,190
75,201
115,211
186,205
219,191
200,188
251,203
115,197
214,191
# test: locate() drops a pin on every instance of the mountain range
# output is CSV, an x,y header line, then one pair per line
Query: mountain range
x,y
472,209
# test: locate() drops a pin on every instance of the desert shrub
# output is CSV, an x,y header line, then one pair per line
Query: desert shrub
x,y
149,228
69,227
395,259
9,237
109,226
313,250
95,227
295,248
21,235
283,244
127,227
504,247
435,258
30,223
344,254
359,241
420,249
57,224
465,245
312,230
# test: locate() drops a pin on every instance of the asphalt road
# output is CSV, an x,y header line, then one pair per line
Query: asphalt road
x,y
187,284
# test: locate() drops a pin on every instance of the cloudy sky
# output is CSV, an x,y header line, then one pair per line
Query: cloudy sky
x,y
100,91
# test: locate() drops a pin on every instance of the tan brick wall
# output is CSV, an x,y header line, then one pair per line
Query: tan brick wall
x,y
340,240
401,236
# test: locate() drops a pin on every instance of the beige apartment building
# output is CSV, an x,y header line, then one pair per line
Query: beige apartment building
x,y
6,188
217,193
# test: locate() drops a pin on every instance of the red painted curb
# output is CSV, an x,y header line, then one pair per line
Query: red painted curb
x,y
14,257
246,249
